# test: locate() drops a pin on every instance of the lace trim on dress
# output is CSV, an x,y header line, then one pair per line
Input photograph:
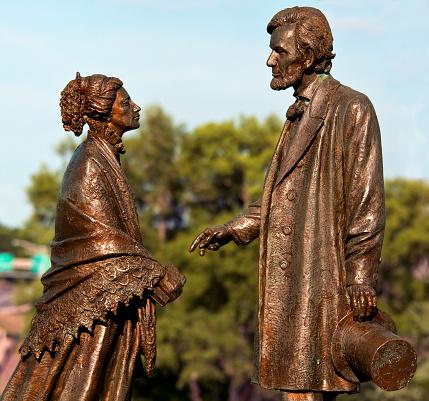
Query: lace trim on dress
x,y
100,287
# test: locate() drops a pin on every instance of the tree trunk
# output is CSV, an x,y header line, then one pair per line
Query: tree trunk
x,y
245,196
194,387
163,204
234,392
245,391
162,230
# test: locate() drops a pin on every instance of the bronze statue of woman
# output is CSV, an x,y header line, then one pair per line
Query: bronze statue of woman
x,y
97,312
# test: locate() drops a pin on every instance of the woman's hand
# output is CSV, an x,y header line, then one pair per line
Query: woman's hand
x,y
170,286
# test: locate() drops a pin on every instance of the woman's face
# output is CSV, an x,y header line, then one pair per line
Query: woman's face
x,y
125,113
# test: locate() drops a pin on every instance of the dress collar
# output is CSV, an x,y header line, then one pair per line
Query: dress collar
x,y
111,139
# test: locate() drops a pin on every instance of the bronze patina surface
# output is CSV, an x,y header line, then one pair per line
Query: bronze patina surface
x,y
97,312
371,350
320,220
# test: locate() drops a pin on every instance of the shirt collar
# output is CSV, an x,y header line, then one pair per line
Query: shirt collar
x,y
306,93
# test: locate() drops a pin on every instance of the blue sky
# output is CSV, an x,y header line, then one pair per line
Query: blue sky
x,y
201,60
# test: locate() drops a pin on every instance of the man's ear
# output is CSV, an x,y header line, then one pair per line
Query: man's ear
x,y
309,58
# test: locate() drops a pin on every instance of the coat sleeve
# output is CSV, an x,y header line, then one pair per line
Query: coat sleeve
x,y
245,227
364,192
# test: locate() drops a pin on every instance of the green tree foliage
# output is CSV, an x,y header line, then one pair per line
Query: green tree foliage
x,y
205,338
213,322
405,261
151,167
223,164
185,180
7,236
42,194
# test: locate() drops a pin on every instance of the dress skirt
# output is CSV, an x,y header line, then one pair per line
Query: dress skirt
x,y
97,366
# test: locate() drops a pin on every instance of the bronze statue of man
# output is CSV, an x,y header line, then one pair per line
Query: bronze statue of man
x,y
321,217
97,313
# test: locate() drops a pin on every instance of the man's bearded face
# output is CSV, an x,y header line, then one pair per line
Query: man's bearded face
x,y
286,61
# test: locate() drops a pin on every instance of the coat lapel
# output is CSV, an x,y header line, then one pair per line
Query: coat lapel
x,y
310,124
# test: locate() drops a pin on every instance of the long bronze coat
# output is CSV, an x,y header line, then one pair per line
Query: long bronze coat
x,y
320,222
94,319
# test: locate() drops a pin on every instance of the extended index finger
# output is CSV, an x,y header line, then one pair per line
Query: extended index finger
x,y
196,241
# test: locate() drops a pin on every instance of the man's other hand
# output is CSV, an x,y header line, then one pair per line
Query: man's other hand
x,y
363,301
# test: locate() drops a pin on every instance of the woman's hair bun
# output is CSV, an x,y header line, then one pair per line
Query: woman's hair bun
x,y
72,105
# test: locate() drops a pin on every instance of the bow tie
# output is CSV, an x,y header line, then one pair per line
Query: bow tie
x,y
295,110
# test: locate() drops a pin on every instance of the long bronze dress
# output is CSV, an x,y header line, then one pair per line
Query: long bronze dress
x,y
321,224
94,319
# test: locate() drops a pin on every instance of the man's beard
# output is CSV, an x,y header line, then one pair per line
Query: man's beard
x,y
278,83
292,77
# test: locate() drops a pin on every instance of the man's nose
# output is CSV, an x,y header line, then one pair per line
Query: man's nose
x,y
136,108
271,62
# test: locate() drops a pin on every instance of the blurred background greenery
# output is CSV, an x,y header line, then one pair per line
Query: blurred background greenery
x,y
185,180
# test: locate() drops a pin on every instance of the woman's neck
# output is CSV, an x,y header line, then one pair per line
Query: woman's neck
x,y
104,131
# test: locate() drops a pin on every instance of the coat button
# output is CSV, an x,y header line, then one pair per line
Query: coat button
x,y
287,230
284,264
291,195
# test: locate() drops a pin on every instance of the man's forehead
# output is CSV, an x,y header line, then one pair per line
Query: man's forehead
x,y
283,36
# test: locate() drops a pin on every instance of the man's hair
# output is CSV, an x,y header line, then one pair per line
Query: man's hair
x,y
312,31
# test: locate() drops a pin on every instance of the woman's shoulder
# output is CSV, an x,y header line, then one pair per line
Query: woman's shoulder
x,y
83,168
